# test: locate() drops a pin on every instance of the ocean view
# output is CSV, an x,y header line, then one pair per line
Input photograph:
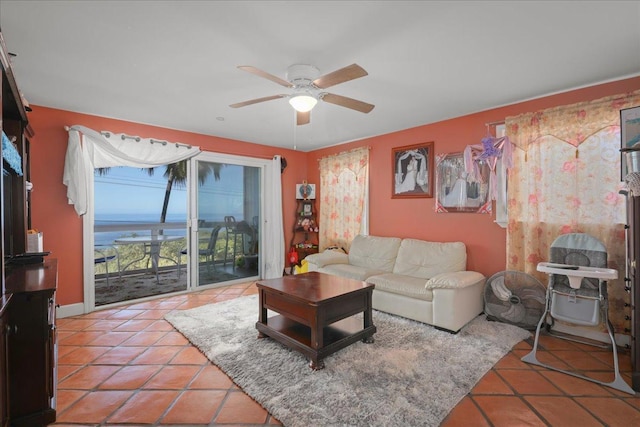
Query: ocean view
x,y
107,237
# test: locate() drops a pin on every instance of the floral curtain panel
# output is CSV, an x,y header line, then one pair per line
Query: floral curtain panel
x,y
566,179
344,184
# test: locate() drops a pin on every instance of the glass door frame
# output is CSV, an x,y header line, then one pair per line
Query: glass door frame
x,y
192,212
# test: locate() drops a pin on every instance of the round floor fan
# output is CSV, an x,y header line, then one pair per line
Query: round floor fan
x,y
514,297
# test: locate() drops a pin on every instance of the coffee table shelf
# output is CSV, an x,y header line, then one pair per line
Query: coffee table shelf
x,y
336,336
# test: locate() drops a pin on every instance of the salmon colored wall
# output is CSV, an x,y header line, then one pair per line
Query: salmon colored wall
x,y
416,218
389,217
58,221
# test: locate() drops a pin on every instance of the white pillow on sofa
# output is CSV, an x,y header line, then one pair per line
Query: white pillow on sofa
x,y
327,258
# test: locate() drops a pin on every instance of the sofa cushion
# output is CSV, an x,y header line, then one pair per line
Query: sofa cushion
x,y
373,252
350,271
328,257
419,258
456,280
412,287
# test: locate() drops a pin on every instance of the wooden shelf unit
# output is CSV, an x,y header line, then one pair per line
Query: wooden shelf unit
x,y
305,230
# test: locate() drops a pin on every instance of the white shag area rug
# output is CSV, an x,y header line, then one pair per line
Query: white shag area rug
x,y
412,375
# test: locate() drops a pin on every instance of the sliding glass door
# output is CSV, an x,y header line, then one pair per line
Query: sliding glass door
x,y
139,232
162,231
225,218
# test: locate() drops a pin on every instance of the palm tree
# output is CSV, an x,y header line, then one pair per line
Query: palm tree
x,y
176,174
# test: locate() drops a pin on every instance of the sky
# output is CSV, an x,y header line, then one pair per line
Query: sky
x,y
125,190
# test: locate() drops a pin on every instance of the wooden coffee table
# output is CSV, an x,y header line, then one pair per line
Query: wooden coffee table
x,y
315,313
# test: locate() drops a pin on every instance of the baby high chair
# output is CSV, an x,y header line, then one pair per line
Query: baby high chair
x,y
577,293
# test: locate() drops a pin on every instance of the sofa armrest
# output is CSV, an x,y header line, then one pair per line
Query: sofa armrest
x,y
327,258
455,280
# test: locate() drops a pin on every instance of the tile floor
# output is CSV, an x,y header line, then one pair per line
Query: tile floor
x,y
128,366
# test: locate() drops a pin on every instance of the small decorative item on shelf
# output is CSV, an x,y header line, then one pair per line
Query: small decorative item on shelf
x,y
293,256
305,191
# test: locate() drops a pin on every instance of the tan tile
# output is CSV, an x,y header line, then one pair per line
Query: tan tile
x,y
135,325
491,383
581,360
88,377
125,314
465,414
112,338
562,411
82,355
144,338
211,377
611,411
172,377
507,411
160,325
241,409
528,382
190,356
575,386
104,325
65,370
130,377
145,407
94,407
195,407
74,324
79,338
173,338
66,398
511,361
153,314
157,355
119,355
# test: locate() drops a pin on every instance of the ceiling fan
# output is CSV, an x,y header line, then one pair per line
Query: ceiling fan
x,y
307,85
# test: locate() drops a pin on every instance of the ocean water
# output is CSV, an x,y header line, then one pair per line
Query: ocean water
x,y
107,237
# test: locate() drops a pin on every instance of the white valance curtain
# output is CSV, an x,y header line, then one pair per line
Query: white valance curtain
x,y
88,149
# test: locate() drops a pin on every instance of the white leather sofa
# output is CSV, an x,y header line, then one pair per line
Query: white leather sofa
x,y
416,279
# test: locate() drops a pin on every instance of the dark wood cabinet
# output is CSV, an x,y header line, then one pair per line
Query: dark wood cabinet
x,y
632,282
4,363
32,343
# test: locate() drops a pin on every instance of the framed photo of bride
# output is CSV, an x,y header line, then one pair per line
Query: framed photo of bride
x,y
458,190
412,167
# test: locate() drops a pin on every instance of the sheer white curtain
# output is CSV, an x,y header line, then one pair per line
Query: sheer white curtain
x,y
274,229
88,149
566,179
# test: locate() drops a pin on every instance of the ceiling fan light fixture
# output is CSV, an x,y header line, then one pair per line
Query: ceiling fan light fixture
x,y
303,103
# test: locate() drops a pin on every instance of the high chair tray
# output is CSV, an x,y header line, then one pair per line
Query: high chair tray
x,y
576,273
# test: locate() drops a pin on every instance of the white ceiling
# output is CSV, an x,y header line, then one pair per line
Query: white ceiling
x,y
173,63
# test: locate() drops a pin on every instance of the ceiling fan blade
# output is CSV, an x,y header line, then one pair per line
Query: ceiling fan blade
x,y
343,101
264,74
303,118
353,71
255,101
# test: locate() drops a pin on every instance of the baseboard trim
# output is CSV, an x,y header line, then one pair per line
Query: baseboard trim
x,y
70,310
